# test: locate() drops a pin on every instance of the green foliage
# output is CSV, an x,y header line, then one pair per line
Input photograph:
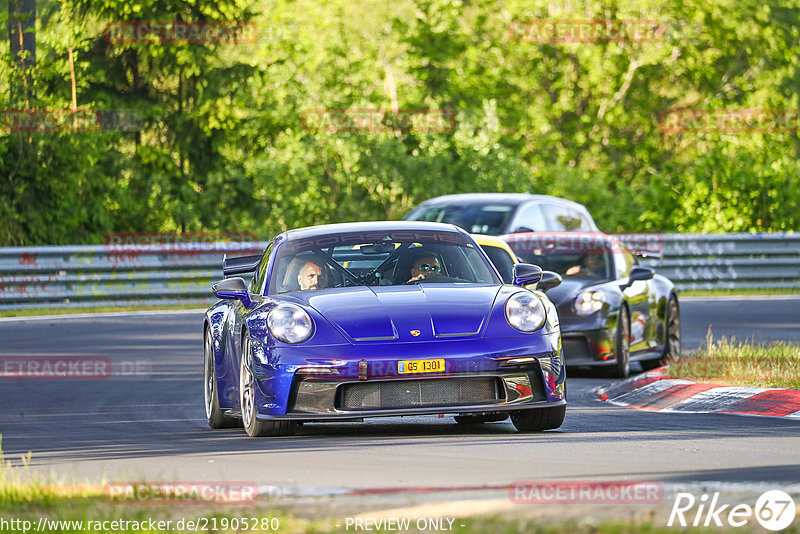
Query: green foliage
x,y
221,143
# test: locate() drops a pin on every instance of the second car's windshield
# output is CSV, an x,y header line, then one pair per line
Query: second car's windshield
x,y
397,258
596,264
570,254
488,219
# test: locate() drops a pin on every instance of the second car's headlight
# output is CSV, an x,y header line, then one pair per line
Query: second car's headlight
x,y
589,302
290,323
525,312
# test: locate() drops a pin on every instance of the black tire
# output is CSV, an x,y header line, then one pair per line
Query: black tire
x,y
539,419
247,385
480,419
622,346
672,337
214,415
672,343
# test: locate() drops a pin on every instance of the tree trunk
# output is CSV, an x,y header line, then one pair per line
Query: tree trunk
x,y
22,36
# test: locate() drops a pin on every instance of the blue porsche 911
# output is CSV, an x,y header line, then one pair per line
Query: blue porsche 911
x,y
347,321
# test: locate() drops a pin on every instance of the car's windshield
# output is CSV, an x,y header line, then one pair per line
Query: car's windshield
x,y
593,260
378,259
488,219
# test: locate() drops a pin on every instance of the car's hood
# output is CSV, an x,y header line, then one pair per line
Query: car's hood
x,y
568,289
431,311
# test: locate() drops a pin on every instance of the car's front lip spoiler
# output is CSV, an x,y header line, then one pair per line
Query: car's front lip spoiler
x,y
446,410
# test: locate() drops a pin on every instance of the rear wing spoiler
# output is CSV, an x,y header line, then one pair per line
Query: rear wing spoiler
x,y
648,254
240,264
647,246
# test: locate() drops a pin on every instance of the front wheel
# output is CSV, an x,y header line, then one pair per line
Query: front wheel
x,y
247,389
214,415
672,337
622,348
672,347
539,419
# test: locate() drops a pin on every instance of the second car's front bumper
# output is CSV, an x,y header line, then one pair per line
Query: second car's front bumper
x,y
589,348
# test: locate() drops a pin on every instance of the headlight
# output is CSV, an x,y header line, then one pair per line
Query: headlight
x,y
290,323
525,312
589,302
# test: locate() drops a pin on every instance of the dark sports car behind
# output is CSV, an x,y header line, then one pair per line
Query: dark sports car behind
x,y
612,311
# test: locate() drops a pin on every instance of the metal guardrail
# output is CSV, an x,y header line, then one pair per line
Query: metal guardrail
x,y
182,273
113,275
730,261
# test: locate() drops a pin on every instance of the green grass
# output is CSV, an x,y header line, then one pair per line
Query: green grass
x,y
20,486
97,309
746,292
735,363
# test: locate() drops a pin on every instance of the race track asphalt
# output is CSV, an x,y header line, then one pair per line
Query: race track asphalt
x,y
150,424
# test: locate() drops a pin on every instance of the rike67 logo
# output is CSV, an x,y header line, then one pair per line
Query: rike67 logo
x,y
774,510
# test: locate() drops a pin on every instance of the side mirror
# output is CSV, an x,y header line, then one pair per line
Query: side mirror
x,y
525,273
639,272
549,280
232,288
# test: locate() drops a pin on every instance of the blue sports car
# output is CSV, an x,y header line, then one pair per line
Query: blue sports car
x,y
347,321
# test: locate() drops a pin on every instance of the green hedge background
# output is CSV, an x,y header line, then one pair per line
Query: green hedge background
x,y
220,144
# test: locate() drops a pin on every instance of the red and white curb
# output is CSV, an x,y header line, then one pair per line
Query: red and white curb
x,y
655,392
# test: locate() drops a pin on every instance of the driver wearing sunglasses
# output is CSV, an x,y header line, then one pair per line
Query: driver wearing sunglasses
x,y
425,266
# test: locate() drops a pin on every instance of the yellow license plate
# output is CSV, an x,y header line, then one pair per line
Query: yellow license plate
x,y
420,366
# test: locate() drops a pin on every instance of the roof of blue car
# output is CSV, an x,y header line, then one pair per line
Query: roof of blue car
x,y
372,226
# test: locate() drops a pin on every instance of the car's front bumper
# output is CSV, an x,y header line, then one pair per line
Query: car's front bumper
x,y
321,386
337,399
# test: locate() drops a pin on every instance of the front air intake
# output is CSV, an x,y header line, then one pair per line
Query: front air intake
x,y
401,394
